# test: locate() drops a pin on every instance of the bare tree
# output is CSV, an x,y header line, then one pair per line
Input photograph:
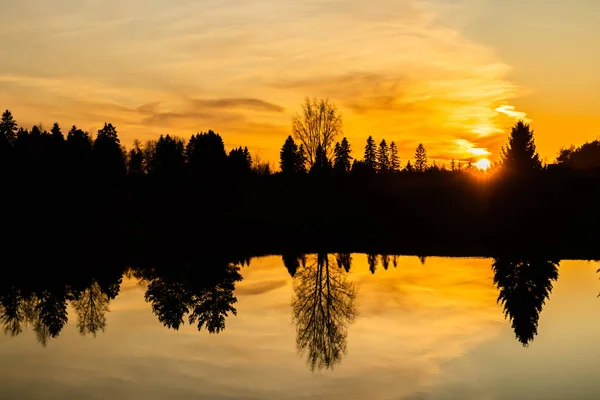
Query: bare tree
x,y
319,124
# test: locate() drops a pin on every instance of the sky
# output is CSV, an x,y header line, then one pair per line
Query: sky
x,y
451,74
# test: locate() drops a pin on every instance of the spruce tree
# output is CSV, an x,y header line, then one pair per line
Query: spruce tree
x,y
341,156
520,155
420,158
394,158
370,158
383,157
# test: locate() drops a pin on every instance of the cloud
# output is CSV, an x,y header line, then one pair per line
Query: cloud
x,y
511,112
393,67
252,104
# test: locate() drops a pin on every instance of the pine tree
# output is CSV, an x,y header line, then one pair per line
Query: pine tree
x,y
394,159
409,167
453,166
383,157
8,128
520,155
370,154
289,157
420,158
341,156
322,163
56,132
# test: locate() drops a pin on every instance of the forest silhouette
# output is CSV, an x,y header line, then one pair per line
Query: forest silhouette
x,y
56,187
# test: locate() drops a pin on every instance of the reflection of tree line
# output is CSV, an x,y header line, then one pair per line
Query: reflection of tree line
x,y
201,291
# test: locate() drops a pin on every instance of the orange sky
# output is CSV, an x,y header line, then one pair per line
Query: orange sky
x,y
451,74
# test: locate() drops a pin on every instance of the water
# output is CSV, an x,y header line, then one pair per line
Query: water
x,y
431,330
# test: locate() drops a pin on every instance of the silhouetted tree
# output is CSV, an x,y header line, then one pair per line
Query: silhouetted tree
x,y
323,306
520,155
291,159
385,261
372,260
586,156
205,153
344,260
453,165
524,285
8,128
383,157
342,156
168,158
394,158
322,164
371,154
91,308
360,168
56,133
240,161
135,159
318,125
292,262
420,158
108,157
409,167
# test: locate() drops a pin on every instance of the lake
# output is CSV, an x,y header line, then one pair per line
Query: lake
x,y
343,327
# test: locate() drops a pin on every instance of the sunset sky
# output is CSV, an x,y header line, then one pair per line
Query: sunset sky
x,y
453,74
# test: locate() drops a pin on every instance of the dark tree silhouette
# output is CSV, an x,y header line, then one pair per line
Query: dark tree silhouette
x,y
91,307
359,167
344,260
394,158
205,153
420,158
205,292
135,159
56,133
8,128
586,156
292,262
371,154
107,153
342,156
372,260
168,158
318,125
524,285
520,155
321,164
323,306
79,151
409,168
383,157
291,158
240,161
385,261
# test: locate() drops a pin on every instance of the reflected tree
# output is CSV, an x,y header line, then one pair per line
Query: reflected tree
x,y
292,262
372,260
91,308
524,286
385,261
203,292
323,306
344,260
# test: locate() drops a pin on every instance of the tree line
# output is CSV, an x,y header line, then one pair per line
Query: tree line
x,y
314,147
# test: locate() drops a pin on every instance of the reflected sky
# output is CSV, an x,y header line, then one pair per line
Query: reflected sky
x,y
422,331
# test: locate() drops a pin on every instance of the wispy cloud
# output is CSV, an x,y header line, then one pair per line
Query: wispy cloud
x,y
393,68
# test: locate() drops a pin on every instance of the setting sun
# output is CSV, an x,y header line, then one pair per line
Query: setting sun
x,y
483,164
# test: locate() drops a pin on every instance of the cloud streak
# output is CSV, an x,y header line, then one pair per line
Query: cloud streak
x,y
393,68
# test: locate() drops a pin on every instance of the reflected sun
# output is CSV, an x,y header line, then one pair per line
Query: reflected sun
x,y
483,164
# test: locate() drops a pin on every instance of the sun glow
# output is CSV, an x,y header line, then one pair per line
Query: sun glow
x,y
483,164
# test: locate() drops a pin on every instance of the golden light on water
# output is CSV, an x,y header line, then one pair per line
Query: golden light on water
x,y
483,164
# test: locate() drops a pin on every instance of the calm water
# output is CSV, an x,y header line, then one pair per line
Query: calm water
x,y
431,330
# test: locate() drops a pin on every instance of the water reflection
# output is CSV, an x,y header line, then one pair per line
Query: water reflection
x,y
524,285
200,291
203,288
323,307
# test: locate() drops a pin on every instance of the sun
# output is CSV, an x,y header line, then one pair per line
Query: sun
x,y
483,164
